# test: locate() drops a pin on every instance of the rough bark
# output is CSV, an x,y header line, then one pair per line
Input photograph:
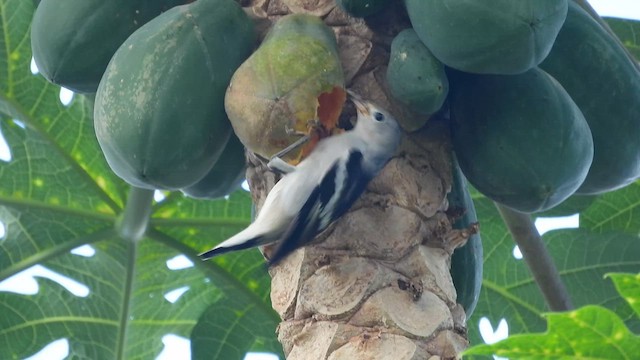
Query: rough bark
x,y
376,284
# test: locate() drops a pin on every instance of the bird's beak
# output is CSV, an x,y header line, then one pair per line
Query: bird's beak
x,y
359,103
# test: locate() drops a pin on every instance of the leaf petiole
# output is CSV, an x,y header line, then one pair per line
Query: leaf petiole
x,y
537,257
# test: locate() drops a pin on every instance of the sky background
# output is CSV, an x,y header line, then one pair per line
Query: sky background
x,y
177,348
628,9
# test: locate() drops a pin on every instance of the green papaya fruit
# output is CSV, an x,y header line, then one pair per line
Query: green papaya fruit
x,y
488,36
520,139
605,84
573,205
225,177
159,112
362,8
466,261
415,77
73,40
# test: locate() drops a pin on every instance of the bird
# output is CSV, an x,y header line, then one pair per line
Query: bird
x,y
322,187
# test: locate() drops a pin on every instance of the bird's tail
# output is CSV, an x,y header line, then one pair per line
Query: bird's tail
x,y
239,241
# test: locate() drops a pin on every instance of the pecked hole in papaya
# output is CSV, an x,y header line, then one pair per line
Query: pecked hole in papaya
x,y
330,105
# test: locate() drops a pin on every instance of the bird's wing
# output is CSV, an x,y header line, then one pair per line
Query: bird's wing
x,y
268,226
348,188
225,248
331,198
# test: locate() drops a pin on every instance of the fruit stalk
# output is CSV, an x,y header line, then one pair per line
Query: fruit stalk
x,y
132,222
537,257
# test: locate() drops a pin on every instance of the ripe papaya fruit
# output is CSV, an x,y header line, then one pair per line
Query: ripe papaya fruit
x,y
362,8
73,40
225,177
415,77
488,36
466,261
605,84
520,139
294,78
159,112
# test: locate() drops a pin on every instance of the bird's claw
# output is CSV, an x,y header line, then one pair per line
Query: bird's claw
x,y
279,165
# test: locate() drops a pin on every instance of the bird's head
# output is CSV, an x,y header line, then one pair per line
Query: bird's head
x,y
373,120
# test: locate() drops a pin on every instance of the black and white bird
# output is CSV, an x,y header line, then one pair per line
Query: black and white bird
x,y
321,188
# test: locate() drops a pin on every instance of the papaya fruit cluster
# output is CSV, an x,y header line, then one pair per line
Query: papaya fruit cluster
x,y
160,69
544,103
162,73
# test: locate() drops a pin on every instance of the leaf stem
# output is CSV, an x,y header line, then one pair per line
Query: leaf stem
x,y
127,295
132,223
537,258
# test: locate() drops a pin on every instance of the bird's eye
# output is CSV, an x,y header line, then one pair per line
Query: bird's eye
x,y
378,116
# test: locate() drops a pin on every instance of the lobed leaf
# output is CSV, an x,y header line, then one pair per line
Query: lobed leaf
x,y
591,332
628,285
582,257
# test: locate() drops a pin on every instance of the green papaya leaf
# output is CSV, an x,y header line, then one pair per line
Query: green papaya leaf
x,y
591,332
628,286
629,33
618,210
233,342
57,193
581,256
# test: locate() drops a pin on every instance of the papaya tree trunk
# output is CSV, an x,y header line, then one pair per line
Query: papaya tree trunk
x,y
376,284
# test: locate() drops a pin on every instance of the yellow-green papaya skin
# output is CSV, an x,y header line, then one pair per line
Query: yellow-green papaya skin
x,y
520,139
278,87
159,112
605,84
488,36
73,40
225,177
